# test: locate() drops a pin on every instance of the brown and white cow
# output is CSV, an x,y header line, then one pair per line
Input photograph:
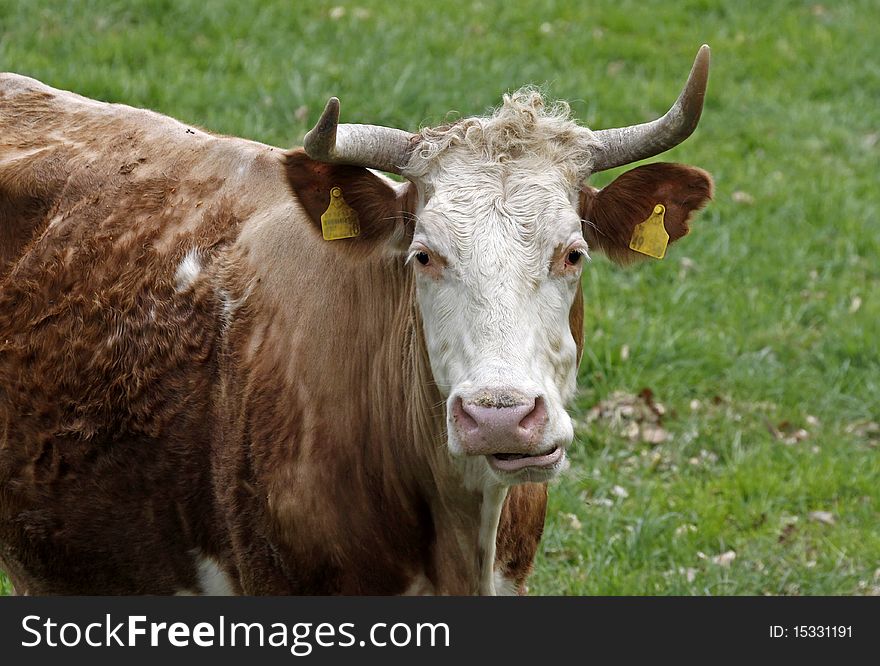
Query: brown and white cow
x,y
199,394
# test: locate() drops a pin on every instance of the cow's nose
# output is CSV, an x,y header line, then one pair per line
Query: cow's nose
x,y
499,422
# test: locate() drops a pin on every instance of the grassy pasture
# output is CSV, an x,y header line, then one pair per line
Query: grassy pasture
x,y
758,334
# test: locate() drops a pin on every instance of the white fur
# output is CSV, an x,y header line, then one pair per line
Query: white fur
x,y
55,220
419,587
490,514
504,586
231,305
212,581
188,270
524,125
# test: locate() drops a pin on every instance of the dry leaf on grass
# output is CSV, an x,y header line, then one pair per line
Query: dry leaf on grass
x,y
724,559
689,573
824,517
705,457
652,434
636,417
867,430
787,533
573,521
788,433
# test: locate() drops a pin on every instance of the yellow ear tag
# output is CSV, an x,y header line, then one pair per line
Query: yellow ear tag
x,y
650,237
339,220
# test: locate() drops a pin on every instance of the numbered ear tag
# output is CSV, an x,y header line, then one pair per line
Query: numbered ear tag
x,y
650,237
339,220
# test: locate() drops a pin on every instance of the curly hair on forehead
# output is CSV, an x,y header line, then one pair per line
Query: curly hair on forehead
x,y
524,126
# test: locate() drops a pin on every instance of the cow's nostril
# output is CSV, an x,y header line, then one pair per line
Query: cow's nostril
x,y
535,419
461,417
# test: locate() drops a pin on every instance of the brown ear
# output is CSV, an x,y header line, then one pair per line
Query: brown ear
x,y
378,205
611,214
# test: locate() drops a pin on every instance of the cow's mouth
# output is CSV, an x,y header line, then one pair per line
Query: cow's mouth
x,y
514,462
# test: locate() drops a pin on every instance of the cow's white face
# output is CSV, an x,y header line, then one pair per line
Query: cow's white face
x,y
497,251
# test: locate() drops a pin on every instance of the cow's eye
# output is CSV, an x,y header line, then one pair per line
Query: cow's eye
x,y
430,263
574,257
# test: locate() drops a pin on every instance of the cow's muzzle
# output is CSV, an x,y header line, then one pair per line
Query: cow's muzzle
x,y
507,427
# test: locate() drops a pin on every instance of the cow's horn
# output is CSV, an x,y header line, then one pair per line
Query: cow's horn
x,y
624,145
372,146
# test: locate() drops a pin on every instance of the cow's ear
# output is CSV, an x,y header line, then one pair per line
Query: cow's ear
x,y
611,214
379,203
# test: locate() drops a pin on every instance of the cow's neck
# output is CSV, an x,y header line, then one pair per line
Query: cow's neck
x,y
465,504
390,417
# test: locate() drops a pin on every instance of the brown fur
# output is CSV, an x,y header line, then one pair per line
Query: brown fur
x,y
612,212
576,321
90,382
520,530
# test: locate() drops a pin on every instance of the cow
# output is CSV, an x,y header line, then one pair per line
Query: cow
x,y
227,368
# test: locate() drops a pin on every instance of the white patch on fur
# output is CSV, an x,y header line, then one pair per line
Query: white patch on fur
x,y
188,270
231,305
490,515
212,581
55,220
505,587
419,587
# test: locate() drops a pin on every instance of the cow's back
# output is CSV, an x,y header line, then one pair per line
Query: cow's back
x,y
112,222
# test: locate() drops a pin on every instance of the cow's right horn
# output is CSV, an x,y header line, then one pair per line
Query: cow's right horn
x,y
624,145
372,146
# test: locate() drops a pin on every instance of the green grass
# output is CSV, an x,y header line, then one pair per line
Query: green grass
x,y
753,316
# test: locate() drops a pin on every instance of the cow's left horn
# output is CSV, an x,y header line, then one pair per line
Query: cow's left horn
x,y
372,146
624,145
